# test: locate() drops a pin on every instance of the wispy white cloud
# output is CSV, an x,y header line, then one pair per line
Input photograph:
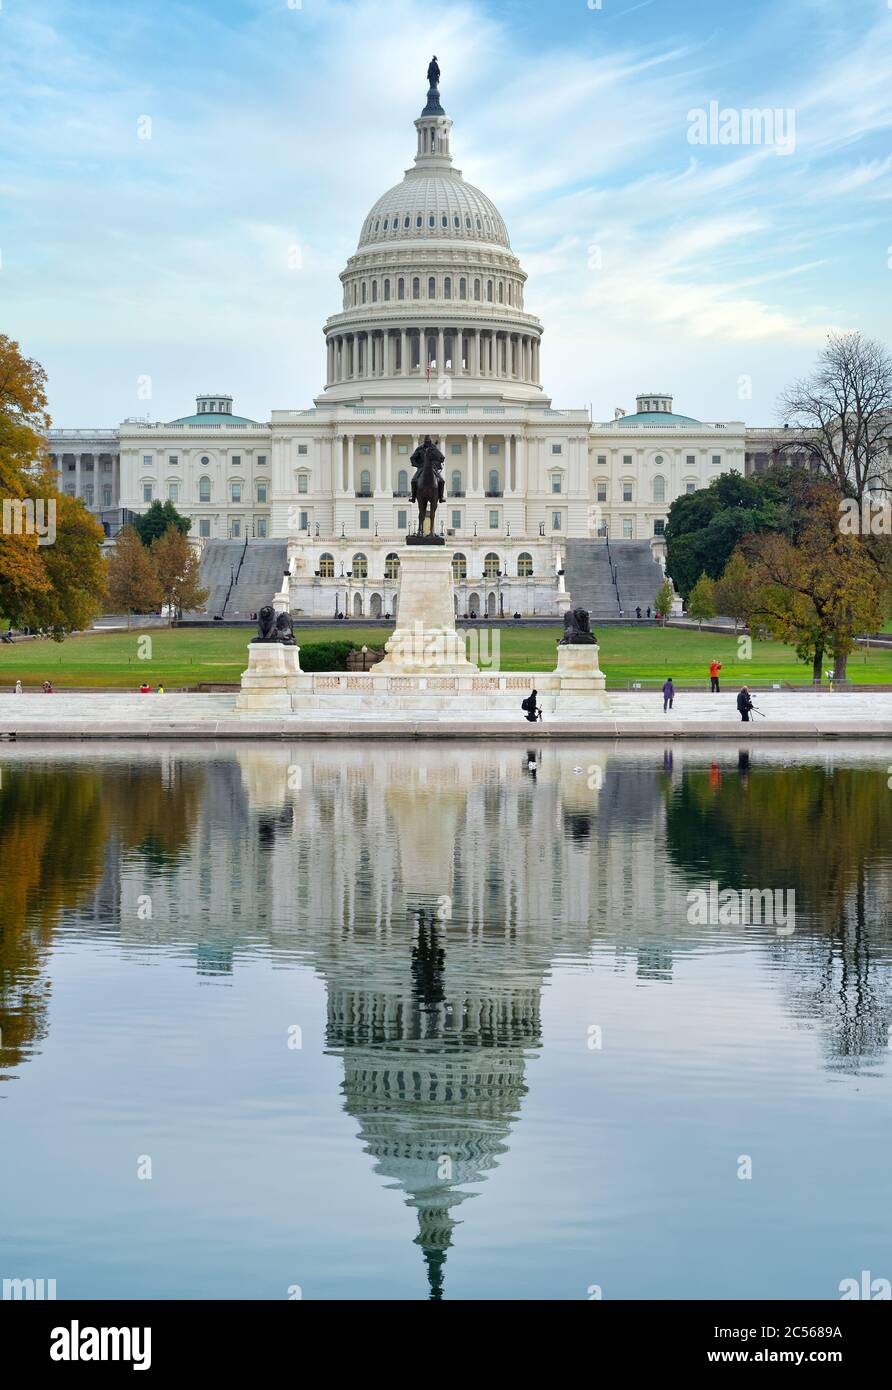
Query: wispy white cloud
x,y
275,128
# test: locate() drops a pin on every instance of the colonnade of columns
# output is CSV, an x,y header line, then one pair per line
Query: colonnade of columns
x,y
475,463
368,354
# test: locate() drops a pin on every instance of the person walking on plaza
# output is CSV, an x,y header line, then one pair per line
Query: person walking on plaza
x,y
668,694
18,687
532,710
47,688
744,704
714,668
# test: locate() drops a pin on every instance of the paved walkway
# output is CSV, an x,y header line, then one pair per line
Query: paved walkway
x,y
120,714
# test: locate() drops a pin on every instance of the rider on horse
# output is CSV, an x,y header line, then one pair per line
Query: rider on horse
x,y
429,450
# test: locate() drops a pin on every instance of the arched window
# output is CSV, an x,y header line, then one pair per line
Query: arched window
x,y
432,221
402,483
392,566
489,290
493,481
326,566
447,287
362,296
459,566
204,489
431,287
476,289
365,481
524,566
401,288
659,488
444,220
501,292
462,288
491,566
386,289
374,291
456,483
416,287
360,566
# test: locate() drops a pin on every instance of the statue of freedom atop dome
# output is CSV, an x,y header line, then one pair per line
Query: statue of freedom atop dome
x,y
433,72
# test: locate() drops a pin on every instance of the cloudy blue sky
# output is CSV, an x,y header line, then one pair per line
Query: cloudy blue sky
x,y
655,263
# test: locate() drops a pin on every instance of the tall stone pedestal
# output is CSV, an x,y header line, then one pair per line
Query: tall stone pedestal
x,y
578,667
425,641
273,674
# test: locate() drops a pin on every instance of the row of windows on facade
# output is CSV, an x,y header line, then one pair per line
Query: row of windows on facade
x,y
105,466
205,490
499,291
235,461
106,493
494,522
455,521
493,489
492,566
690,460
260,527
394,225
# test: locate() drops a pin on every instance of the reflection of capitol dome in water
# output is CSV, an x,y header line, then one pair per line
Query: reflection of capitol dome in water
x,y
434,1075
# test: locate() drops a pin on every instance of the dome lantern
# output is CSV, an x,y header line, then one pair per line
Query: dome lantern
x,y
433,126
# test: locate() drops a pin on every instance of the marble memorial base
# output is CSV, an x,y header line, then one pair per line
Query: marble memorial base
x,y
272,677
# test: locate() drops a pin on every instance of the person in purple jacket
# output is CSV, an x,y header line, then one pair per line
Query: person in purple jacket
x,y
668,694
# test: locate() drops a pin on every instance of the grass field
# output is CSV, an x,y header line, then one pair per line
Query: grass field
x,y
184,658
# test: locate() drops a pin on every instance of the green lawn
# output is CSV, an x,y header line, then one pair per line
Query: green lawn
x,y
186,657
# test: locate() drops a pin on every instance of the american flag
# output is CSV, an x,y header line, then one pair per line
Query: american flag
x,y
427,372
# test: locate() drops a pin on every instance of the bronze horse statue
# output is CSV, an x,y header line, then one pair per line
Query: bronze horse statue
x,y
427,485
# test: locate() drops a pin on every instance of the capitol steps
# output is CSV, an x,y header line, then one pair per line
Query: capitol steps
x,y
256,569
589,577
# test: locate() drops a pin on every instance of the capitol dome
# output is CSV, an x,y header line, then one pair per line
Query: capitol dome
x,y
433,291
433,205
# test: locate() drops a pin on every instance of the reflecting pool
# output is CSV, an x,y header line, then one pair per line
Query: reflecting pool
x,y
409,1021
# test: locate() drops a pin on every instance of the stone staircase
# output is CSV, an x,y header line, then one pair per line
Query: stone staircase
x,y
612,578
241,578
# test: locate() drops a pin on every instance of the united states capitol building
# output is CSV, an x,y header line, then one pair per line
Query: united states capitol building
x,y
434,335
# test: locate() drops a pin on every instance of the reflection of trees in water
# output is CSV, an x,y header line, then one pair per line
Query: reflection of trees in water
x,y
52,830
827,836
57,825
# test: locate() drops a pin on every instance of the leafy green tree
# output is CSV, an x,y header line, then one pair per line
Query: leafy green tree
x,y
701,600
151,525
704,527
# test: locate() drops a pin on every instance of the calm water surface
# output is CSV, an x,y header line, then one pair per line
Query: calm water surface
x,y
406,1020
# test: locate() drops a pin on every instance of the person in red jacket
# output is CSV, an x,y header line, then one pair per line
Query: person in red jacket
x,y
714,668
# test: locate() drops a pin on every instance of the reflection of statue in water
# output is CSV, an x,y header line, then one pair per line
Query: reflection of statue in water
x,y
427,963
433,72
